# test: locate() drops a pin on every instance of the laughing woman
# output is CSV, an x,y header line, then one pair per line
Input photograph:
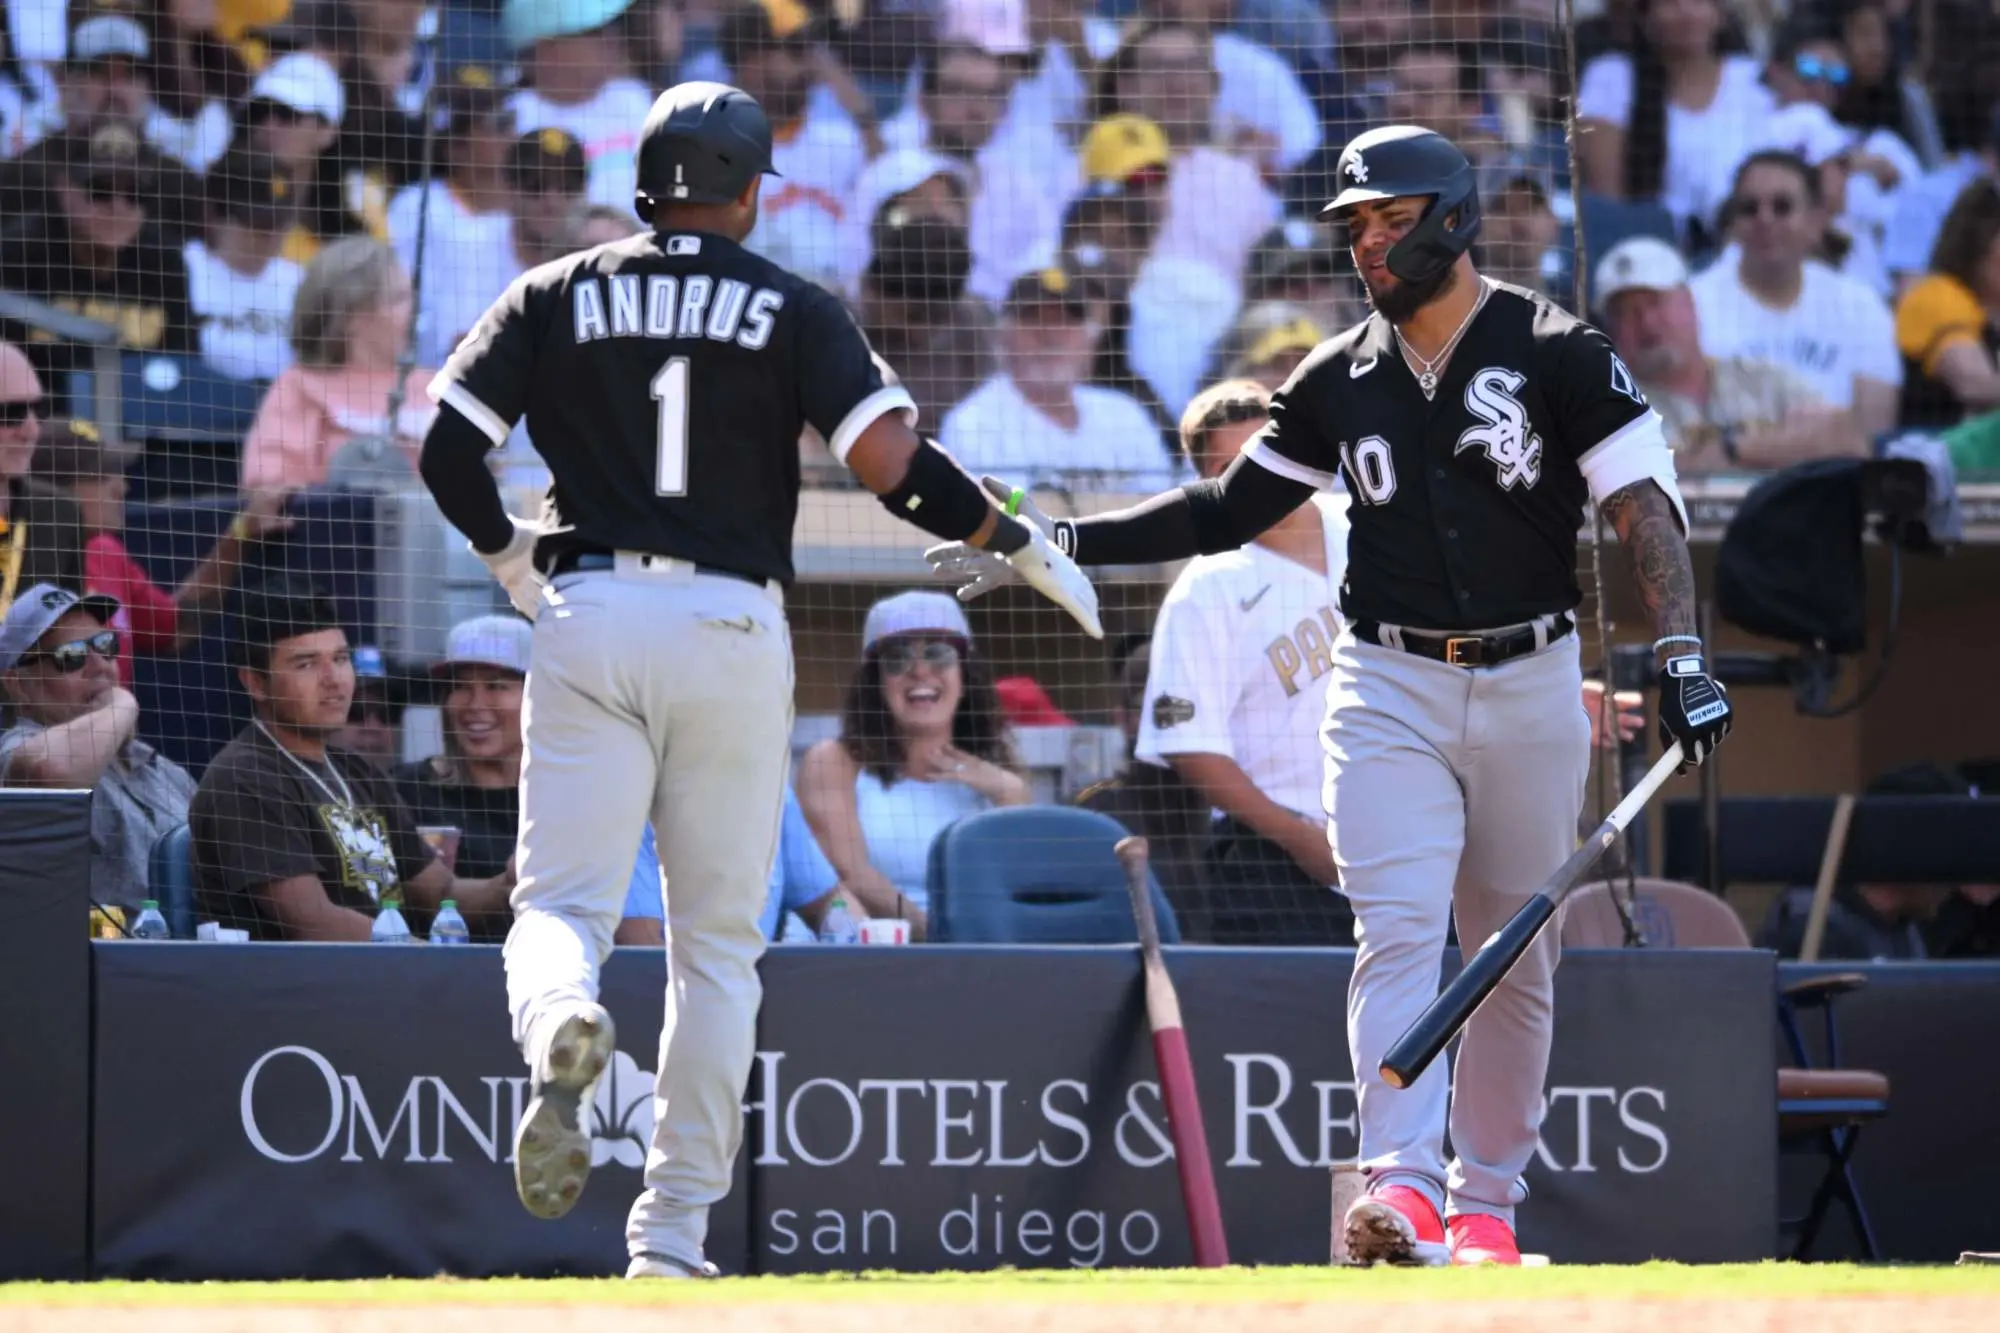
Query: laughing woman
x,y
921,746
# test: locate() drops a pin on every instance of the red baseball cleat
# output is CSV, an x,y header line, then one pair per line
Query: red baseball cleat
x,y
1387,1225
1480,1238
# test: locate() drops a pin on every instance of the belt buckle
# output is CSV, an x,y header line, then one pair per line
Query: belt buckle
x,y
1464,650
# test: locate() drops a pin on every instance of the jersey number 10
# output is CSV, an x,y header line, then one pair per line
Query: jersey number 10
x,y
1370,468
670,391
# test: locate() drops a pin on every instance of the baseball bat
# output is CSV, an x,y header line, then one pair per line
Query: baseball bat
x,y
1170,1053
1448,1013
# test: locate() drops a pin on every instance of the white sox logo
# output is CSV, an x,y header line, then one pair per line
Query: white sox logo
x,y
1514,449
1358,169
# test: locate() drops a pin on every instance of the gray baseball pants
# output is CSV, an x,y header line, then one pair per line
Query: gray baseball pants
x,y
1451,791
656,693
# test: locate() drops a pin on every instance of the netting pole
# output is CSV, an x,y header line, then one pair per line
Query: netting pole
x,y
427,47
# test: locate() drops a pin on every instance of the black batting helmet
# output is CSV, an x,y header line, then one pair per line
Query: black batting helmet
x,y
1400,160
703,143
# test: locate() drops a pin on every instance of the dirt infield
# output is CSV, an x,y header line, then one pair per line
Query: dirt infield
x,y
1854,1314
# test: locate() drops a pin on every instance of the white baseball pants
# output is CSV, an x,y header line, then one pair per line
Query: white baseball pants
x,y
656,693
1452,791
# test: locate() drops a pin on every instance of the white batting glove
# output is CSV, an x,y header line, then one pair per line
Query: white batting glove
x,y
514,566
1038,564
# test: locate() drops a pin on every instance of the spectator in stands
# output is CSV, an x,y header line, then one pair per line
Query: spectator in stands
x,y
1021,179
294,113
817,150
916,313
802,879
1227,700
75,726
1878,93
1767,299
373,46
547,179
348,329
75,458
474,784
463,212
1670,120
921,745
1948,324
1267,343
1155,802
1037,418
915,182
41,535
1107,232
1260,107
1217,206
108,76
575,79
1520,237
100,254
197,77
374,727
297,839
241,288
1722,413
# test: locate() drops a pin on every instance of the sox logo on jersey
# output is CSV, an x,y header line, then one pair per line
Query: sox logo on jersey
x,y
1514,450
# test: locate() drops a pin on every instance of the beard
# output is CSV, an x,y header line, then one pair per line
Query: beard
x,y
1405,299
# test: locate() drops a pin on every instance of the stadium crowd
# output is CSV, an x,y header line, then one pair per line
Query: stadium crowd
x,y
1065,225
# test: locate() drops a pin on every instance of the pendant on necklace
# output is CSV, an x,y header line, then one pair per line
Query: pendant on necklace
x,y
1428,383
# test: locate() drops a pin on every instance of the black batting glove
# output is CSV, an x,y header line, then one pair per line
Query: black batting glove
x,y
1694,709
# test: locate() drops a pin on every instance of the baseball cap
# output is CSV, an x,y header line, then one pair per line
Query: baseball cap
x,y
914,613
305,83
1124,146
41,606
106,35
1296,334
548,159
253,189
1639,262
525,22
472,90
495,641
111,154
1024,703
1051,286
369,664
997,27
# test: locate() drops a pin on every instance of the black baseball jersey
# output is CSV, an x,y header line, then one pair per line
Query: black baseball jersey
x,y
666,379
1467,506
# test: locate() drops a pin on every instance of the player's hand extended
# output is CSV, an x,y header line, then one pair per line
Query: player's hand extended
x,y
1694,709
1039,564
514,566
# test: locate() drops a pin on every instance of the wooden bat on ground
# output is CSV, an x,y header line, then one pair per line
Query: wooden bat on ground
x,y
1448,1013
1170,1053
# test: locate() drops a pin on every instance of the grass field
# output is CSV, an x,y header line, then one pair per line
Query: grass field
x,y
1728,1299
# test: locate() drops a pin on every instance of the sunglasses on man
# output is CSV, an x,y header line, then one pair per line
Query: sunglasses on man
x,y
67,659
16,411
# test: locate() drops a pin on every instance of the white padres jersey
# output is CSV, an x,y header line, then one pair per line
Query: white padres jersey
x,y
1241,657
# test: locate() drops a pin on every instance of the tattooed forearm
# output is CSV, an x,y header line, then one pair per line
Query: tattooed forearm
x,y
1657,554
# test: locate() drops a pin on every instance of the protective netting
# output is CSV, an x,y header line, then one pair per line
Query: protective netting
x,y
241,235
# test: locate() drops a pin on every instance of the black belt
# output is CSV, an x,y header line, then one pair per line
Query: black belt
x,y
577,562
1465,650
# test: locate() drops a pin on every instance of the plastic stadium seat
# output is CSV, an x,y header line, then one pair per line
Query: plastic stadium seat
x,y
179,398
170,879
1036,874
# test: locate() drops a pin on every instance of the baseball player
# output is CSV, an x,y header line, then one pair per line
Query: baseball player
x,y
1470,421
1240,657
665,380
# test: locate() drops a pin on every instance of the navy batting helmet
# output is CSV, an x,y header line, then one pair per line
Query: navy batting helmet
x,y
703,143
1401,160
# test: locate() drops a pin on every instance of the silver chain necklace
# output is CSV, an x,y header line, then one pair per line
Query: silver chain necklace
x,y
346,797
1427,370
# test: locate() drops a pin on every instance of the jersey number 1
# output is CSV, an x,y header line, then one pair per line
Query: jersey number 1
x,y
670,391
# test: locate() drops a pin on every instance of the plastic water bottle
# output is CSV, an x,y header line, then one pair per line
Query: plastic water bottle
x,y
151,925
389,927
839,927
448,927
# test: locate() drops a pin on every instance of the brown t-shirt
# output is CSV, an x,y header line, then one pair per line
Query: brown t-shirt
x,y
257,818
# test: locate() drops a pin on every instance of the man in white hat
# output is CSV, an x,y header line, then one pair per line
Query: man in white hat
x,y
1721,415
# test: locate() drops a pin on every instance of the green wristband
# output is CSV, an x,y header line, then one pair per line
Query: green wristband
x,y
1014,499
